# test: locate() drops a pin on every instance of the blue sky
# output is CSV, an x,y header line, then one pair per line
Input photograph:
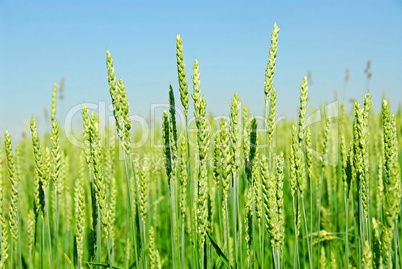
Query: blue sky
x,y
40,42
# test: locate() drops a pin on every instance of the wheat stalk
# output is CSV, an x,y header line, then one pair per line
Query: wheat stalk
x,y
235,135
225,177
367,256
270,70
3,222
183,176
392,182
80,213
13,215
181,70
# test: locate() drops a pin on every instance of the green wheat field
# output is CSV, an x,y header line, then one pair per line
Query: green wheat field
x,y
319,191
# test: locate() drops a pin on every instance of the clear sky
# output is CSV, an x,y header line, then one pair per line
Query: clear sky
x,y
42,41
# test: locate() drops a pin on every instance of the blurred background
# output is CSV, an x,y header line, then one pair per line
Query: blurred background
x,y
348,47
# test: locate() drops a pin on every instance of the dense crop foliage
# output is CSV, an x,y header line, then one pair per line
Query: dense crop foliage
x,y
323,191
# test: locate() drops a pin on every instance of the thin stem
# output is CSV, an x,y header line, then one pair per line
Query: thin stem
x,y
361,228
202,257
182,250
253,242
209,255
190,186
347,231
311,219
112,250
98,237
137,221
42,251
262,238
172,232
66,234
234,217
279,258
48,229
399,243
356,235
319,208
109,259
396,244
79,261
296,231
295,227
308,241
274,257
182,244
19,255
221,228
145,243
239,219
130,209
227,231
56,228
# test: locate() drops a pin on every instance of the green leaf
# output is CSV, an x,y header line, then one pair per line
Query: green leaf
x,y
219,251
69,261
106,265
217,263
